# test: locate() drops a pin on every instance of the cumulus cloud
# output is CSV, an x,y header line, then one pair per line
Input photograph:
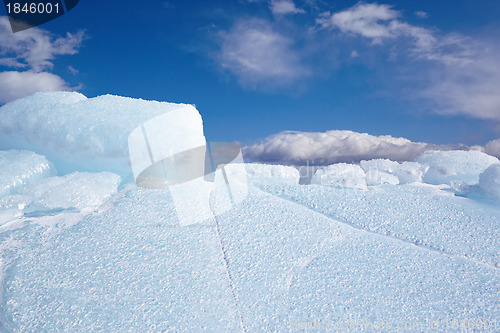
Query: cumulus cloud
x,y
257,54
34,51
493,148
379,22
284,7
14,85
297,148
34,48
421,14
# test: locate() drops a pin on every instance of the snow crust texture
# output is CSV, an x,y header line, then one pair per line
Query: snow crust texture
x,y
274,263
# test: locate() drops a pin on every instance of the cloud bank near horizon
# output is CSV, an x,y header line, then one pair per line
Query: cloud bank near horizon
x,y
336,146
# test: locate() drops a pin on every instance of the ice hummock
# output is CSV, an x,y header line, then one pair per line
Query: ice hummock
x,y
80,191
446,167
85,134
18,168
384,171
30,187
341,175
268,173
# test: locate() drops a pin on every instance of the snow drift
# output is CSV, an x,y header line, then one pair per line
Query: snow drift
x,y
448,166
267,173
340,175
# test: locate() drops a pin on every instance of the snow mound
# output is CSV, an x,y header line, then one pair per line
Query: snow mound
x,y
85,134
341,175
272,173
383,171
18,168
447,167
376,177
410,172
78,191
489,180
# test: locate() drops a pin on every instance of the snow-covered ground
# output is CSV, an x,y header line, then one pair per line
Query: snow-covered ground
x,y
379,247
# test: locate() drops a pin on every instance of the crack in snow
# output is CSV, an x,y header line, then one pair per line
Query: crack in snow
x,y
417,243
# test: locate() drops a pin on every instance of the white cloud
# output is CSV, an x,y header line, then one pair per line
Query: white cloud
x,y
367,20
284,7
421,14
331,147
461,75
14,85
493,148
379,22
72,70
256,54
471,89
34,48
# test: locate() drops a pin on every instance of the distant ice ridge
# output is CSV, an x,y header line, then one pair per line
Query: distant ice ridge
x,y
452,166
462,171
382,171
341,175
272,173
85,134
369,173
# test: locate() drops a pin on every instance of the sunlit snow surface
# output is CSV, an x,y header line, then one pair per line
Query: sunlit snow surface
x,y
294,254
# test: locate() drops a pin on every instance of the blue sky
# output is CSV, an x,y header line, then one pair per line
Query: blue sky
x,y
422,70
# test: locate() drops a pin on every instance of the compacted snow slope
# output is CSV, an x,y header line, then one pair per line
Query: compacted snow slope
x,y
420,214
369,248
292,266
130,267
271,265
